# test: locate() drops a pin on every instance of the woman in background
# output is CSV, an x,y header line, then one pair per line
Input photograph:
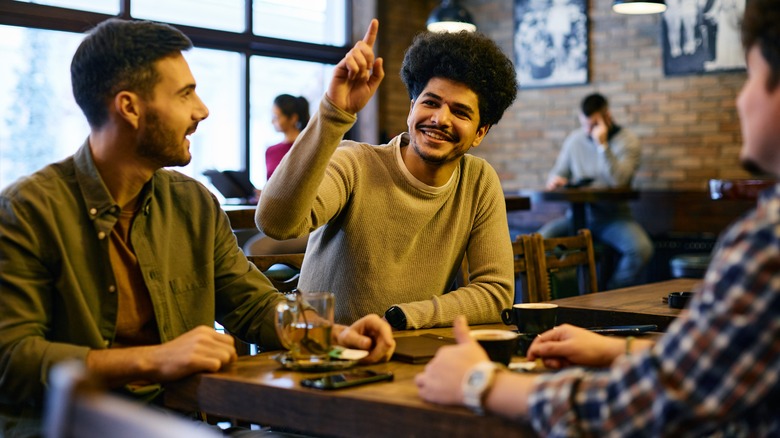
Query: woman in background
x,y
290,116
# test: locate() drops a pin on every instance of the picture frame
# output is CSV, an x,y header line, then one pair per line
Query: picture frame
x,y
702,36
551,42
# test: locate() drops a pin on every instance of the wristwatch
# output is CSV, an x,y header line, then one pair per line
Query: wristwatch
x,y
396,318
476,383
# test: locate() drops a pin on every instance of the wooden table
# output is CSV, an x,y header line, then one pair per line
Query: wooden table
x,y
258,390
517,202
580,197
632,305
241,216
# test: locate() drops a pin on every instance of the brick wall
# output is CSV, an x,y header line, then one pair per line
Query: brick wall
x,y
688,125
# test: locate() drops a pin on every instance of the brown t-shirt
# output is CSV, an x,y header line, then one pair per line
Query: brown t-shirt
x,y
135,321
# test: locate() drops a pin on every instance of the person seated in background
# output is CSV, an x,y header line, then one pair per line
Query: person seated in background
x,y
607,155
714,372
108,258
290,115
391,224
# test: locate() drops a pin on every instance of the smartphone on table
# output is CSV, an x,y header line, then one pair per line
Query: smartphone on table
x,y
346,379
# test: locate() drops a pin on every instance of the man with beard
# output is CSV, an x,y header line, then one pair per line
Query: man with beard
x,y
390,224
714,372
107,258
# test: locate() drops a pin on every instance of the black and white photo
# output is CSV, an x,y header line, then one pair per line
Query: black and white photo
x,y
700,36
551,42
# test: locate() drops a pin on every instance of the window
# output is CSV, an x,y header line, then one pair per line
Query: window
x,y
41,122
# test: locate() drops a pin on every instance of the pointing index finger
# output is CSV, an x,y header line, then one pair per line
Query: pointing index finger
x,y
373,28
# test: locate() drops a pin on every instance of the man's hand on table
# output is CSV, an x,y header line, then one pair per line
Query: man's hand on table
x,y
370,333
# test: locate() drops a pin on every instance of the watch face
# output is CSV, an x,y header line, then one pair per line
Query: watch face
x,y
476,378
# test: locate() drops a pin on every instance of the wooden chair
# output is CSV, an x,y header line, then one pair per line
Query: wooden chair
x,y
525,269
282,269
551,255
78,407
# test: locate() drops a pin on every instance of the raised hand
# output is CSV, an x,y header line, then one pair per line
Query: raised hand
x,y
357,76
441,382
599,132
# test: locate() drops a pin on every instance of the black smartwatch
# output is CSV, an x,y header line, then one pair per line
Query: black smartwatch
x,y
396,318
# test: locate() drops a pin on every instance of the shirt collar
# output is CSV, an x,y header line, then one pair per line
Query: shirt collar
x,y
97,198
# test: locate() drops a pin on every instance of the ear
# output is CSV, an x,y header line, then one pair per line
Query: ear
x,y
409,115
127,106
481,133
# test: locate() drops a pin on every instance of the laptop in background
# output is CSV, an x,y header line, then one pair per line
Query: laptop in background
x,y
232,184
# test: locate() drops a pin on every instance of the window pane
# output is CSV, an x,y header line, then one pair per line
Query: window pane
x,y
102,6
270,77
311,21
40,121
213,14
217,144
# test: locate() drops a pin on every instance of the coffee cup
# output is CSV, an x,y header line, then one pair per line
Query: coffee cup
x,y
531,318
306,334
499,345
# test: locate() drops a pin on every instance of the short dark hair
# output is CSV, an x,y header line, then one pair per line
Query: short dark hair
x,y
290,105
593,103
469,58
761,26
119,55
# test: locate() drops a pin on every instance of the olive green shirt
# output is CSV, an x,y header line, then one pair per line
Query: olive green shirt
x,y
58,297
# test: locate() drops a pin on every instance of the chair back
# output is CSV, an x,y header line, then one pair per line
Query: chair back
x,y
525,270
78,407
282,269
557,253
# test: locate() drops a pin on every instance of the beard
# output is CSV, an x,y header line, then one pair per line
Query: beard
x,y
161,144
439,159
754,168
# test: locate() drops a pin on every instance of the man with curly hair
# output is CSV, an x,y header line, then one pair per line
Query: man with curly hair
x,y
391,223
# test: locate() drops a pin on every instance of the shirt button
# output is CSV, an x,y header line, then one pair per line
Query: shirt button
x,y
93,211
106,342
101,235
112,288
113,209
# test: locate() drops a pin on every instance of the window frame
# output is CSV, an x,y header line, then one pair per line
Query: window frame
x,y
32,15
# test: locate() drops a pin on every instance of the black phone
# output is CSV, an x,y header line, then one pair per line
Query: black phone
x,y
346,380
624,329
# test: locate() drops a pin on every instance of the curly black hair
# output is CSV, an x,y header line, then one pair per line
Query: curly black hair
x,y
761,28
472,59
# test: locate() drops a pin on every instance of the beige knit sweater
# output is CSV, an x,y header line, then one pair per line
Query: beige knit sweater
x,y
383,237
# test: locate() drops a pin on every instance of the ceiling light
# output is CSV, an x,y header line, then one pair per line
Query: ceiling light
x,y
639,6
449,16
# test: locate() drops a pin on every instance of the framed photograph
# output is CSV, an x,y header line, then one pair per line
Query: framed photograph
x,y
551,42
702,36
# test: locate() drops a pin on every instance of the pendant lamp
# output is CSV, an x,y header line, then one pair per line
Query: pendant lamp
x,y
449,16
639,6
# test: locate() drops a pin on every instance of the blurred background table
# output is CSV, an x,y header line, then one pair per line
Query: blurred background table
x,y
579,197
628,306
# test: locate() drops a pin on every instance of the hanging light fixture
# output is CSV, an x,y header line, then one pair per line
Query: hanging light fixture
x,y
639,6
449,16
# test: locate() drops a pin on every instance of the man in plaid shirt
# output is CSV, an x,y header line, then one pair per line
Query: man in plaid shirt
x,y
715,372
